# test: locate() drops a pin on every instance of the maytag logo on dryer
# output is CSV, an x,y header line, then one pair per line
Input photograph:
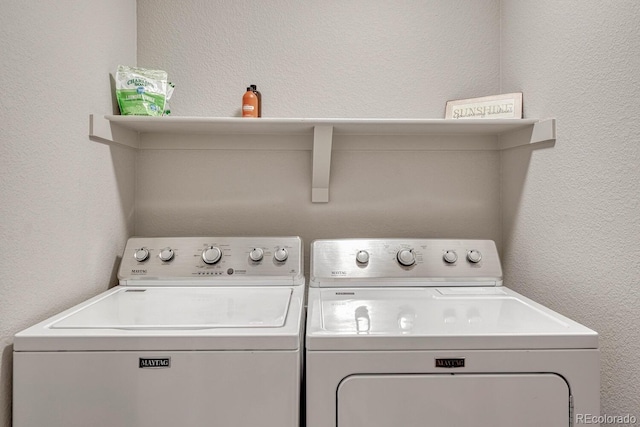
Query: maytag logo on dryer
x,y
139,271
338,273
455,362
155,362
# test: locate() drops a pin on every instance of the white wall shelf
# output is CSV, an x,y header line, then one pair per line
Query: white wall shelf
x,y
141,132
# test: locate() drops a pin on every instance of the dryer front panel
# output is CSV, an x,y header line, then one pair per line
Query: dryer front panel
x,y
445,400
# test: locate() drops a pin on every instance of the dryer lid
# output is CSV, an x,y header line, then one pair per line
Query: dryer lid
x,y
437,318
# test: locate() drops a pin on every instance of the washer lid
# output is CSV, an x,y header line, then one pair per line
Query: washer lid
x,y
437,318
186,318
183,308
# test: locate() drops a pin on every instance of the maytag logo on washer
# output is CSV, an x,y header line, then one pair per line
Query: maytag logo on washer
x,y
456,362
340,273
155,362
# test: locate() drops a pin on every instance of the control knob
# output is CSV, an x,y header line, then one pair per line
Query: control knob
x,y
211,255
474,256
406,257
281,255
362,257
450,257
166,254
256,254
141,254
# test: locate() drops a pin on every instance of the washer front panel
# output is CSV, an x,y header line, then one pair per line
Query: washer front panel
x,y
192,389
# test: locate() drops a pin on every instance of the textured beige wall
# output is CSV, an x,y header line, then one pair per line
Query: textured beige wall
x,y
373,193
329,58
66,203
571,213
321,59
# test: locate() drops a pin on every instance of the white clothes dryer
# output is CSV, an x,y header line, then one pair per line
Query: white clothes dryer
x,y
199,331
421,332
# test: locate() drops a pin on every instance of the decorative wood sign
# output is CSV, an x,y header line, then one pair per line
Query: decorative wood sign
x,y
505,106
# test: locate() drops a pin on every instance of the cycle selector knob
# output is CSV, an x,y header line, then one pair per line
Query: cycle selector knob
x,y
281,255
166,254
256,254
141,254
450,257
406,257
474,256
362,257
211,255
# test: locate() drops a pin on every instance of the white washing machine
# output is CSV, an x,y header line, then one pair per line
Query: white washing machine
x,y
421,332
201,331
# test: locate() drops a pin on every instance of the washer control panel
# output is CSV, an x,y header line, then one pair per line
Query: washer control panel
x,y
228,258
417,262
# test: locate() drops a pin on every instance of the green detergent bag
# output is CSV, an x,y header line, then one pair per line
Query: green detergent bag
x,y
141,92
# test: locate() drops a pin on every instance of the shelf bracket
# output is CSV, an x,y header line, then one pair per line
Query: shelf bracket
x,y
103,130
322,141
542,131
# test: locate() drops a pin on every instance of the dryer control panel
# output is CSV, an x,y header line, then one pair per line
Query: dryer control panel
x,y
404,262
229,259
